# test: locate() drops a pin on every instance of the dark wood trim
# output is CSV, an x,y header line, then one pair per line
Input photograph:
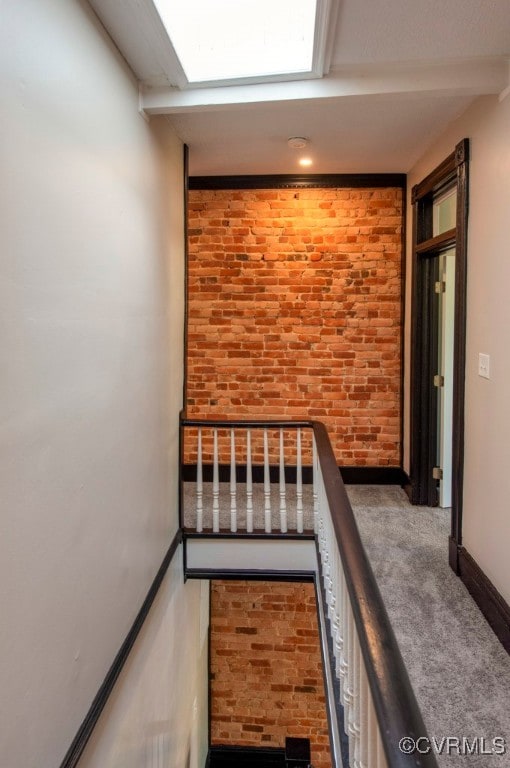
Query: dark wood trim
x,y
181,479
459,351
186,274
438,243
440,176
248,423
453,171
350,475
185,329
373,475
209,677
223,756
299,181
493,606
85,731
403,273
453,554
236,574
190,533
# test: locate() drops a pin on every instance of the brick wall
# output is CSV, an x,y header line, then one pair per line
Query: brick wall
x,y
295,312
266,667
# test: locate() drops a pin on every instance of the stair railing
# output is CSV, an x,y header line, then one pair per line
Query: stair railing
x,y
273,452
380,714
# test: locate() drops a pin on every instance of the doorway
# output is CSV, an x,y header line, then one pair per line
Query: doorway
x,y
438,338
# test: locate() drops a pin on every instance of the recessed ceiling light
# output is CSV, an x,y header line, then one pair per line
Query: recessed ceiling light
x,y
306,161
297,142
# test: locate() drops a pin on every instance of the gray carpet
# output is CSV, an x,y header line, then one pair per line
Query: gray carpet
x,y
258,506
458,669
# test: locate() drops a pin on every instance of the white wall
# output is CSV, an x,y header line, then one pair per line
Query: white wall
x,y
157,714
91,329
486,528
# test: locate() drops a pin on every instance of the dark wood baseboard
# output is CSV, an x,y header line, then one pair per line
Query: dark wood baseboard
x,y
453,555
189,473
245,757
493,606
85,730
350,475
373,476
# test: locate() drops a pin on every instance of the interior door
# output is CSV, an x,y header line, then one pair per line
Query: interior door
x,y
445,392
443,219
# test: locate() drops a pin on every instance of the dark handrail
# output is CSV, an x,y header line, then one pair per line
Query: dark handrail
x,y
247,423
397,710
394,701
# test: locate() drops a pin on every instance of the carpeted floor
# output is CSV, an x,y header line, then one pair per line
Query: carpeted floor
x,y
458,669
258,506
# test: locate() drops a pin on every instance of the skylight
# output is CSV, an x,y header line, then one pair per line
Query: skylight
x,y
231,40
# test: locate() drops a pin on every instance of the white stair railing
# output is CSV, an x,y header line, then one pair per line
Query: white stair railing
x,y
290,513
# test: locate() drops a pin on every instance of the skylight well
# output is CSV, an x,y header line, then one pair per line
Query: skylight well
x,y
225,41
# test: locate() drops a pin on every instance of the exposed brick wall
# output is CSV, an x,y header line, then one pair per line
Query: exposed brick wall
x,y
295,312
266,667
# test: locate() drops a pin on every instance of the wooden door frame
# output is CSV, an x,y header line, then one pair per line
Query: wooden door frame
x,y
453,171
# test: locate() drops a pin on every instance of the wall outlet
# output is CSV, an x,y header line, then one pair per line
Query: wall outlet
x,y
484,366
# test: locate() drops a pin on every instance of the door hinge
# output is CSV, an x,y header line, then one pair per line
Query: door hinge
x,y
438,380
437,473
440,286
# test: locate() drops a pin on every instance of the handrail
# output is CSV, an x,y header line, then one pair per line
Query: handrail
x,y
248,423
394,701
397,711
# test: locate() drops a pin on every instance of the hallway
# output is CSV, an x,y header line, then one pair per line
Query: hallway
x,y
458,669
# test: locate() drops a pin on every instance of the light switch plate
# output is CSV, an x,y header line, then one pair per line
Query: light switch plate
x,y
484,366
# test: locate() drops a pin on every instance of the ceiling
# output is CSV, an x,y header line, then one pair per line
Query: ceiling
x,y
401,71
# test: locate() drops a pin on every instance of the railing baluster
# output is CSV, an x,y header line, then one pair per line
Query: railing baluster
x,y
233,485
249,485
364,694
337,629
316,472
373,735
354,714
267,486
299,484
283,500
216,484
349,686
200,485
345,657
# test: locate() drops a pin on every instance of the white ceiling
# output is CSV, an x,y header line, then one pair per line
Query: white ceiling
x,y
401,71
